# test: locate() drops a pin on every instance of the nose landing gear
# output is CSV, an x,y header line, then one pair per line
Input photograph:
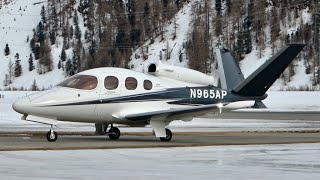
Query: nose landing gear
x,y
52,136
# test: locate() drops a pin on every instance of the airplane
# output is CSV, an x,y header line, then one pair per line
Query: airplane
x,y
163,93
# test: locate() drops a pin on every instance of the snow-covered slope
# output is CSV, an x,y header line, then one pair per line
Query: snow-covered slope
x,y
184,25
15,26
249,64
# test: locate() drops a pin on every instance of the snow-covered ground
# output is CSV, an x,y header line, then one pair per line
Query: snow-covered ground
x,y
277,101
299,161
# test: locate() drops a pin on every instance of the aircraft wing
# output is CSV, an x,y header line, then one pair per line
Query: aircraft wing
x,y
159,119
171,112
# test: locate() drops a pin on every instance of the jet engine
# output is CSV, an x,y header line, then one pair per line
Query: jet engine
x,y
179,73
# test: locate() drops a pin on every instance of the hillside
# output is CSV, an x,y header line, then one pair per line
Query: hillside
x,y
130,32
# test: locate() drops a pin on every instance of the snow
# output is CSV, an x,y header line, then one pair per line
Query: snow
x,y
184,24
297,161
15,27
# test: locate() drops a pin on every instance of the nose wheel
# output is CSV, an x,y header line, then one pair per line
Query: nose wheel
x,y
52,136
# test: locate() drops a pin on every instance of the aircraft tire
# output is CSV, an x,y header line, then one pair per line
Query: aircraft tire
x,y
168,136
52,137
114,133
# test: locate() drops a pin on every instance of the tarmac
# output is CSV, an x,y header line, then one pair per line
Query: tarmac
x,y
37,141
27,139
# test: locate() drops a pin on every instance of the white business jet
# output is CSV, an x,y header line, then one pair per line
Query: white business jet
x,y
108,96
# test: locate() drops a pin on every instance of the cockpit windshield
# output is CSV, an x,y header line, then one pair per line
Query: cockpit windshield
x,y
84,82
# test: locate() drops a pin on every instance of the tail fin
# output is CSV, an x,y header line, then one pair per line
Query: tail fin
x,y
229,70
261,80
230,73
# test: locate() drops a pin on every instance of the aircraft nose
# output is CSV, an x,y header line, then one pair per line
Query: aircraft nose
x,y
21,105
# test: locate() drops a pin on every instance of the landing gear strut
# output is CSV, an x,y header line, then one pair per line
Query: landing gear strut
x,y
168,136
52,136
114,133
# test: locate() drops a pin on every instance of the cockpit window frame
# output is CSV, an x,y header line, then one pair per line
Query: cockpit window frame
x,y
63,83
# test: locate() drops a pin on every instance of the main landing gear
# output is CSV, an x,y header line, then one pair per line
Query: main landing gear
x,y
168,136
114,133
52,136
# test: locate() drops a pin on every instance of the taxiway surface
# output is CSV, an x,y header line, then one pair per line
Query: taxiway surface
x,y
13,142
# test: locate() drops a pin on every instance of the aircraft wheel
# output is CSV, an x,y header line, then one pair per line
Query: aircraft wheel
x,y
52,136
114,133
168,136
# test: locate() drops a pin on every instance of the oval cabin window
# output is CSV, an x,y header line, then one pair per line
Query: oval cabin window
x,y
111,82
84,82
147,85
131,83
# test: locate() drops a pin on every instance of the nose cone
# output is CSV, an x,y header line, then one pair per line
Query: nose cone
x,y
21,105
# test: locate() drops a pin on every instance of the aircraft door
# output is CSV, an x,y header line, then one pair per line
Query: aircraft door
x,y
110,88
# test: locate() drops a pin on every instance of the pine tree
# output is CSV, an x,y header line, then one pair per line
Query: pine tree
x,y
32,45
135,36
41,33
247,41
92,49
31,65
43,14
59,65
228,4
75,18
36,51
6,80
75,60
240,47
69,68
218,7
34,86
71,32
17,69
131,12
17,56
52,36
77,33
6,50
146,9
63,55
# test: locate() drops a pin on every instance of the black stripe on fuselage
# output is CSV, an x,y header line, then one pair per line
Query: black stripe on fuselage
x,y
174,96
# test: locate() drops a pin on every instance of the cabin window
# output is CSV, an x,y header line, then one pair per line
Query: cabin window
x,y
131,83
111,82
84,82
147,85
